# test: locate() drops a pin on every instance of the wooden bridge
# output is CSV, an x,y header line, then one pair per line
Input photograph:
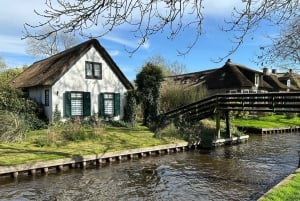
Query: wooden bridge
x,y
287,102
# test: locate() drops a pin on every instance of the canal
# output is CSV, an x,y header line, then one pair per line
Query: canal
x,y
241,172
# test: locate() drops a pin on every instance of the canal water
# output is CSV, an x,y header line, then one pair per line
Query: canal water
x,y
241,172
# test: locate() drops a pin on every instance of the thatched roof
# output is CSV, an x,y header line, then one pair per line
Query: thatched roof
x,y
233,75
273,81
46,72
228,76
194,78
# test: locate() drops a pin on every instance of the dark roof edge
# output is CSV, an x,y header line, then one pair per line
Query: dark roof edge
x,y
112,64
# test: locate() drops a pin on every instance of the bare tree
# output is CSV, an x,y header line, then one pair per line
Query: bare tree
x,y
168,68
54,43
151,17
284,50
3,65
284,15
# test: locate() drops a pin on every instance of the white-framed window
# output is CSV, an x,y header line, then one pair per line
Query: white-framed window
x,y
288,83
93,70
256,80
46,97
108,104
233,91
76,104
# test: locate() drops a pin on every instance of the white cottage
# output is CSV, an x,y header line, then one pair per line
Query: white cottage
x,y
80,81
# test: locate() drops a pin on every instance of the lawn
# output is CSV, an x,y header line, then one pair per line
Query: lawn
x,y
288,191
112,139
270,121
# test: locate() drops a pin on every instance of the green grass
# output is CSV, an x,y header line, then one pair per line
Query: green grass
x,y
289,191
270,121
112,139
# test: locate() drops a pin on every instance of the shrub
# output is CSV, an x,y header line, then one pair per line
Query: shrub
x,y
11,100
148,83
52,137
290,115
131,108
56,115
174,95
73,130
170,131
13,127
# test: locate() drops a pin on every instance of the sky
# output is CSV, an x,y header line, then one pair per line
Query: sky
x,y
212,44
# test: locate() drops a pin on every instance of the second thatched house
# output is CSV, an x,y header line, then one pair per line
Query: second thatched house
x,y
235,78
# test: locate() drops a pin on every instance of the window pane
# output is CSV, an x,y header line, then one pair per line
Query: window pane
x,y
97,70
108,96
47,97
108,107
76,104
89,69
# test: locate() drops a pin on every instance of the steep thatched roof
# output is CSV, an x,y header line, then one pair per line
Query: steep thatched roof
x,y
46,72
194,78
233,75
229,76
273,81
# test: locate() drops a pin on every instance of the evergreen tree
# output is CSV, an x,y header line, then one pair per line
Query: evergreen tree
x,y
148,85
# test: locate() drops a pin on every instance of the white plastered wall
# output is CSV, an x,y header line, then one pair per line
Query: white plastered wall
x,y
74,80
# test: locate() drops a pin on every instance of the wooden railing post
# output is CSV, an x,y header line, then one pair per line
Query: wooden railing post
x,y
218,127
227,117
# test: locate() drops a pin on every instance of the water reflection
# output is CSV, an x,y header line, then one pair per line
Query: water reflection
x,y
242,172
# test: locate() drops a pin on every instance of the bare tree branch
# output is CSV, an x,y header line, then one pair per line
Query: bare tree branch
x,y
54,43
256,13
147,18
284,50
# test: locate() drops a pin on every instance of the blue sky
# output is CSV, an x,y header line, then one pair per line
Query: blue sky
x,y
212,44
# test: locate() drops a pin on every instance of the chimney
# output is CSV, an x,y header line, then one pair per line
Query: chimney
x,y
266,71
228,61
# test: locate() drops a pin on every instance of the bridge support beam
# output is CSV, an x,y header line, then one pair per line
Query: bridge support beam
x,y
218,127
227,118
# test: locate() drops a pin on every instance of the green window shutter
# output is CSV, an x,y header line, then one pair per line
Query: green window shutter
x,y
86,104
101,104
117,104
67,104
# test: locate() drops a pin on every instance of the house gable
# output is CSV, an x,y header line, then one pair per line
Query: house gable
x,y
46,72
64,80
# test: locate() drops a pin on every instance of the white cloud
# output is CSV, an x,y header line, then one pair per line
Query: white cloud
x,y
126,42
12,44
14,14
221,8
113,52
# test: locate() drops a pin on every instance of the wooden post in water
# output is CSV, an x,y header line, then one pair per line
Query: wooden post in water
x,y
227,117
218,127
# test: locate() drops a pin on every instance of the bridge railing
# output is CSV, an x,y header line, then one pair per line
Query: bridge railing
x,y
273,102
267,102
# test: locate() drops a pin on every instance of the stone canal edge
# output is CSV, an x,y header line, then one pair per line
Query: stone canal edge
x,y
281,183
81,161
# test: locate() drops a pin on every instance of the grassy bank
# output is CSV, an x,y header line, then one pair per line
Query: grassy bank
x,y
35,147
287,191
269,121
